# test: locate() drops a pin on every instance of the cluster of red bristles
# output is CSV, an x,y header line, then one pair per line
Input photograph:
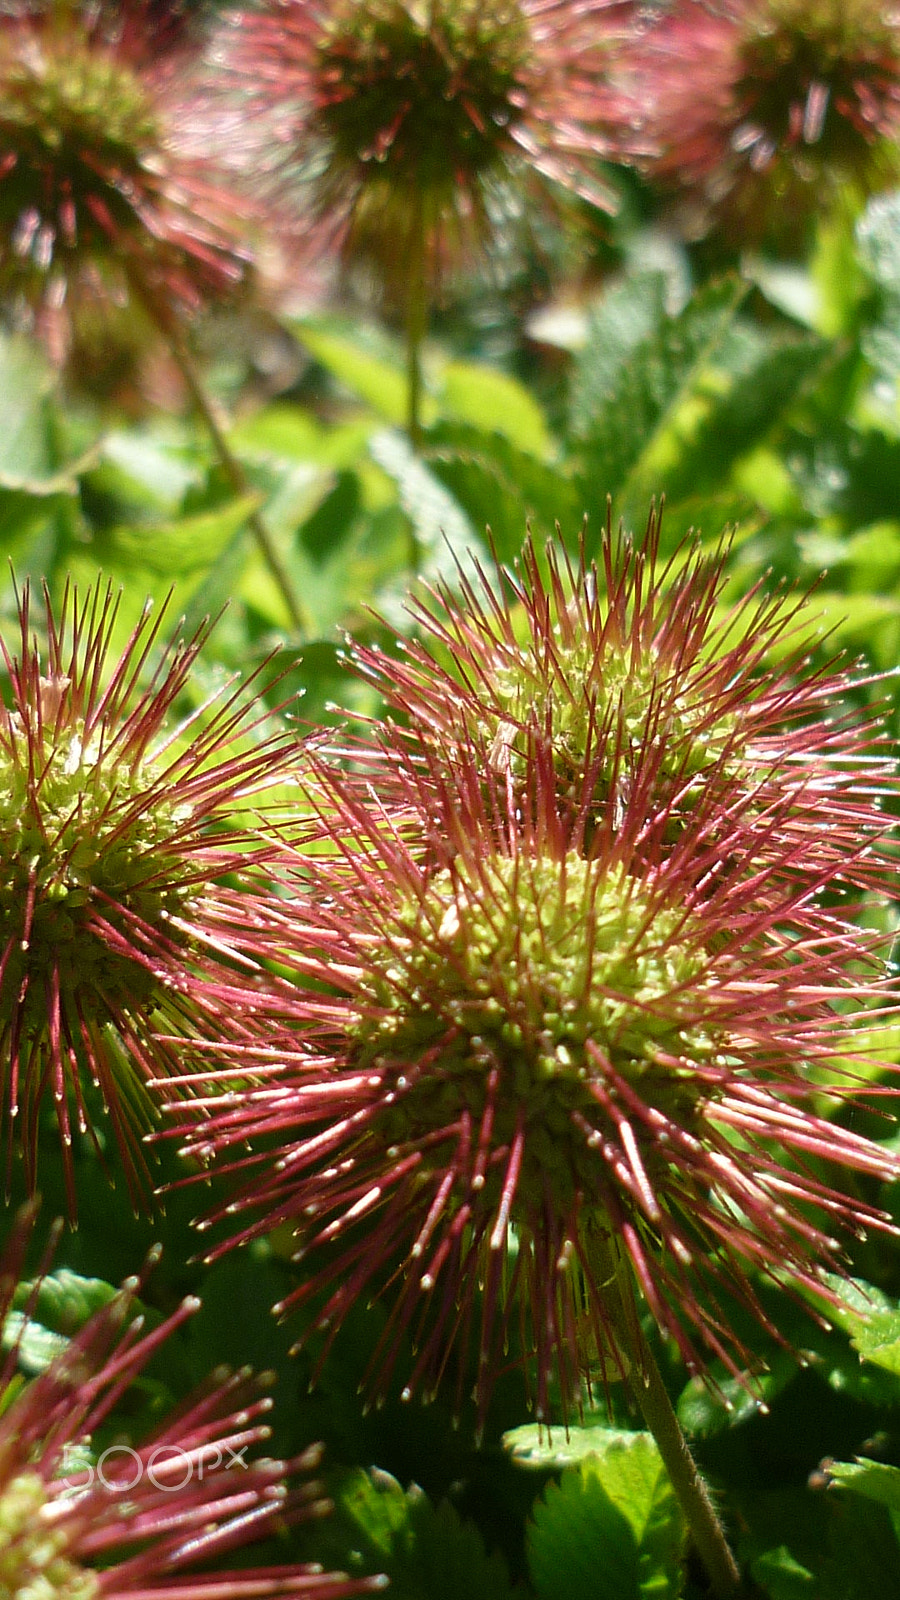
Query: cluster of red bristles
x,y
142,158
546,996
142,1521
579,992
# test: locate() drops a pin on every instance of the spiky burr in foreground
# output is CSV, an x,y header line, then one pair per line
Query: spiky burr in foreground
x,y
134,1524
526,1072
646,687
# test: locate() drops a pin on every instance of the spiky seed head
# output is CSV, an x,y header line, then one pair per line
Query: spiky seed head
x,y
644,689
397,116
118,836
100,181
518,1071
70,1530
761,111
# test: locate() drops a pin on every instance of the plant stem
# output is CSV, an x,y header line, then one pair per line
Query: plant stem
x,y
416,321
169,330
659,1414
416,324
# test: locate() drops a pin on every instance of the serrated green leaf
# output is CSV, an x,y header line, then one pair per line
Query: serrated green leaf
x,y
540,1448
704,1413
875,1480
443,531
503,488
378,1507
57,1309
623,406
492,401
65,1300
580,1545
871,1319
428,1553
878,1340
611,1529
35,1345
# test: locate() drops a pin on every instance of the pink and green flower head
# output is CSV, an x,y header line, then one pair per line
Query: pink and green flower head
x,y
760,110
398,115
136,1521
517,1074
101,183
128,869
644,685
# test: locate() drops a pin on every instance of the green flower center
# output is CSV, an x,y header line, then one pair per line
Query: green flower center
x,y
587,694
519,970
426,90
77,839
33,1562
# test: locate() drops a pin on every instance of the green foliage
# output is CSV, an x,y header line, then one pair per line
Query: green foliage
x,y
428,1552
44,1318
770,397
376,379
637,376
611,1528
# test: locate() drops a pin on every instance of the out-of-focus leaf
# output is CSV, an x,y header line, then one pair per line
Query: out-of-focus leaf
x,y
30,457
443,532
840,471
628,393
740,417
846,1543
788,287
625,319
502,488
286,433
492,401
610,1529
328,527
781,1577
189,544
836,272
878,238
381,383
141,472
61,1305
